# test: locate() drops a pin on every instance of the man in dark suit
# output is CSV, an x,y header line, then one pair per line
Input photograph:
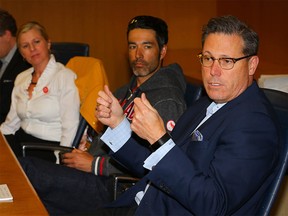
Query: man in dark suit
x,y
220,157
12,63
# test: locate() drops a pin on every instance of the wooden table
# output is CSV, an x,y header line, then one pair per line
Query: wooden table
x,y
25,198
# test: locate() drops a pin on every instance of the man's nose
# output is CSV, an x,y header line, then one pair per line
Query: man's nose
x,y
215,69
139,53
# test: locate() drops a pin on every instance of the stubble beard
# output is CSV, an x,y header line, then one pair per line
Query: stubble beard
x,y
144,71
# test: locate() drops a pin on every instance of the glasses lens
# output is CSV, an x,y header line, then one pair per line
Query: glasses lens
x,y
226,63
207,61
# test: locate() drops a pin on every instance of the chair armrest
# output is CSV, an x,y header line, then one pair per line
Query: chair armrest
x,y
123,183
44,146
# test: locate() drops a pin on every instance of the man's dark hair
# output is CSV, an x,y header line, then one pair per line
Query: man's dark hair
x,y
150,22
232,25
7,22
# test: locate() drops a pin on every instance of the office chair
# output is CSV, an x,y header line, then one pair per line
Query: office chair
x,y
64,51
91,78
194,90
279,101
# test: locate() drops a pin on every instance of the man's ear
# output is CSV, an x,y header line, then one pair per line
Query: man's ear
x,y
7,34
163,52
252,64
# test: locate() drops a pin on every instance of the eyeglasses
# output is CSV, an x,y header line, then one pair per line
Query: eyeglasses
x,y
225,63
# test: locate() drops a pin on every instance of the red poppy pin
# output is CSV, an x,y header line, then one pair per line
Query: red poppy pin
x,y
45,90
170,125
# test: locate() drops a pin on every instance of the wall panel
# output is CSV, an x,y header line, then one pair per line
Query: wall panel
x,y
102,24
268,18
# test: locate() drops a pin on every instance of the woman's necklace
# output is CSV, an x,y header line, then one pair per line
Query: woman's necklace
x,y
33,83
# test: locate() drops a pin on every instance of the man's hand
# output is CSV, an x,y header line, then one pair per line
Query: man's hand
x,y
146,122
108,111
83,143
78,159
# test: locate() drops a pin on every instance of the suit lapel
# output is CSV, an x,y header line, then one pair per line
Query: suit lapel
x,y
189,121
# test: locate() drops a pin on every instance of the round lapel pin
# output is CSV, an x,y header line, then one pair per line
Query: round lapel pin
x,y
45,90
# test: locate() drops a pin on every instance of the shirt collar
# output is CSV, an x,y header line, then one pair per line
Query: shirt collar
x,y
10,55
213,107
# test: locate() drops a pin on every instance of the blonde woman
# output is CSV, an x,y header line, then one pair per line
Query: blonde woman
x,y
45,99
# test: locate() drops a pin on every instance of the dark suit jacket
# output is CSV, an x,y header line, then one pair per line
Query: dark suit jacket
x,y
225,174
15,66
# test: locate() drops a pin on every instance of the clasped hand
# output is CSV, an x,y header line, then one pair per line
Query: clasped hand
x,y
78,159
108,110
146,122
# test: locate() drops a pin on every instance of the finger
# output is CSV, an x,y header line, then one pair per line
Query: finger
x,y
139,111
107,90
103,112
65,161
103,115
140,107
103,109
138,104
106,98
69,155
75,150
103,99
65,156
145,101
69,165
109,93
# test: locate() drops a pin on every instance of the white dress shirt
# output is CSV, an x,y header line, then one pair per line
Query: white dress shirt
x,y
52,113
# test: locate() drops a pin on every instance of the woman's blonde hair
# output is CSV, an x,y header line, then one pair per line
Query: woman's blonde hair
x,y
32,25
